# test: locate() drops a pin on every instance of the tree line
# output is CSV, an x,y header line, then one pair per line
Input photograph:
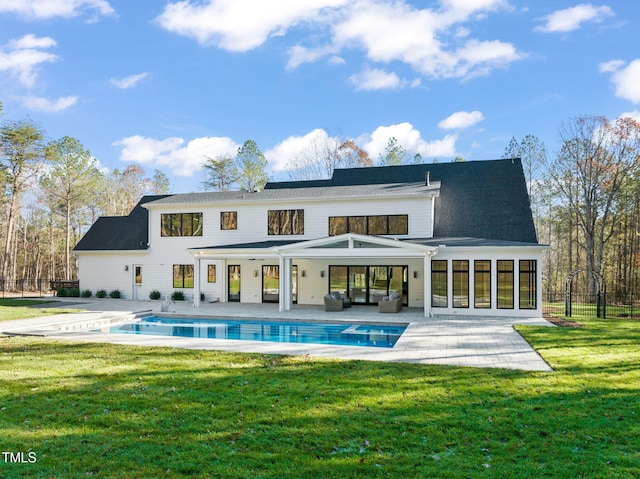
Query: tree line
x,y
585,198
52,192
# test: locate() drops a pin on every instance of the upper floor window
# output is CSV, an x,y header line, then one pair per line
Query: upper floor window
x,y
285,222
229,220
181,224
369,225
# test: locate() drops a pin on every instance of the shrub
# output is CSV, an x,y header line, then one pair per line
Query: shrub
x,y
86,293
115,294
62,292
177,296
101,293
74,293
155,294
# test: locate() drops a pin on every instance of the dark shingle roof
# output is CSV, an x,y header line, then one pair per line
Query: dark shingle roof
x,y
120,233
480,199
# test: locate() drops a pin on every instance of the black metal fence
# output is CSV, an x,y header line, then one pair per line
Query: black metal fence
x,y
589,305
20,288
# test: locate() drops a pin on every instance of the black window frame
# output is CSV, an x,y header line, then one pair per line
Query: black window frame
x,y
181,224
502,281
285,222
462,290
180,275
437,274
530,275
366,225
482,276
228,220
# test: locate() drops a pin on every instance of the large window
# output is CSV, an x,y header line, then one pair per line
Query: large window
x,y
528,284
461,283
369,225
229,220
505,284
286,222
439,286
181,224
369,284
482,284
183,276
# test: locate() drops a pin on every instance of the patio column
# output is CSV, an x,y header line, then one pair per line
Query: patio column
x,y
426,284
286,277
281,286
196,284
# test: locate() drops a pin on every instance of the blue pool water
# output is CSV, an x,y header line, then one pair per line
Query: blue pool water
x,y
372,335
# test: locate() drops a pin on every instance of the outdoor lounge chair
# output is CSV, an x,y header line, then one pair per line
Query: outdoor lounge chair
x,y
332,304
390,304
336,301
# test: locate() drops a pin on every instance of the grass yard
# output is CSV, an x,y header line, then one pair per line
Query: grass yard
x,y
22,308
98,410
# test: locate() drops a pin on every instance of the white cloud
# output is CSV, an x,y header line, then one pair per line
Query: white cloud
x,y
572,18
626,80
128,82
21,57
433,41
287,152
49,106
460,120
411,140
239,25
40,9
172,153
375,79
610,66
422,38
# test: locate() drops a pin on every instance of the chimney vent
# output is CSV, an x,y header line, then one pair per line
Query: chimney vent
x,y
428,179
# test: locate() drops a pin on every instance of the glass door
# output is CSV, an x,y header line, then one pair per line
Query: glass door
x,y
270,283
378,285
233,283
358,284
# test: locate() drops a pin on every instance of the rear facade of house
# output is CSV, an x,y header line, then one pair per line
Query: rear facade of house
x,y
451,238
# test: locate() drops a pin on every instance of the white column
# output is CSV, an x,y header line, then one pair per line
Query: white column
x,y
196,284
286,277
281,286
427,283
223,281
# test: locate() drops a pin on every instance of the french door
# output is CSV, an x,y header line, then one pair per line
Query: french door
x,y
233,283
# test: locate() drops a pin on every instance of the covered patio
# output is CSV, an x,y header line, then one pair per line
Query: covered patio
x,y
340,248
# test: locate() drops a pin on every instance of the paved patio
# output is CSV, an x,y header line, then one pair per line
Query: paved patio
x,y
487,342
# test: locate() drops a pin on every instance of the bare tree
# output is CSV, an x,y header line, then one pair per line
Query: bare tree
x,y
596,157
326,153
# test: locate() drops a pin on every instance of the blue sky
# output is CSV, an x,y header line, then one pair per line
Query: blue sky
x,y
163,84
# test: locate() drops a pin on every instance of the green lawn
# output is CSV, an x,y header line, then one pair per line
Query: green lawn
x,y
97,410
20,309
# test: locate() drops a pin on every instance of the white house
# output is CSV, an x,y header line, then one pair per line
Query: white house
x,y
450,238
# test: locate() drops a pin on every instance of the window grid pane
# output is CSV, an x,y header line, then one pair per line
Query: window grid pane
x,y
528,284
439,286
505,284
461,283
482,284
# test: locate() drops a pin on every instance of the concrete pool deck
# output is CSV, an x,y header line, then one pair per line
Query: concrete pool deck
x,y
485,342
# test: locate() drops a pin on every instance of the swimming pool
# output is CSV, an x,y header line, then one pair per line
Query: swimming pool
x,y
371,335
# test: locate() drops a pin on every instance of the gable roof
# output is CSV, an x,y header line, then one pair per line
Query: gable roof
x,y
479,199
120,233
